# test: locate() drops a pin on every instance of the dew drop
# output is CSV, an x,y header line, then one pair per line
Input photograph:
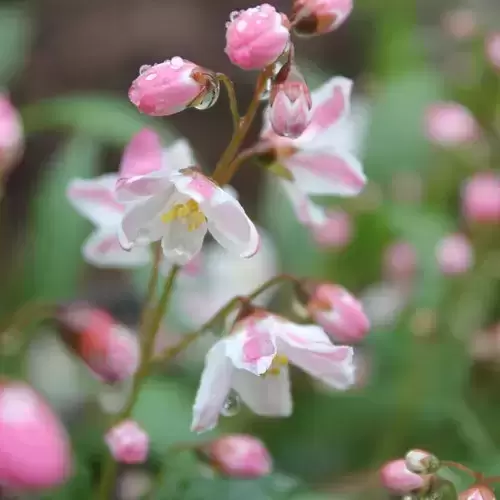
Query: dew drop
x,y
232,405
176,62
234,15
144,68
228,23
266,93
241,25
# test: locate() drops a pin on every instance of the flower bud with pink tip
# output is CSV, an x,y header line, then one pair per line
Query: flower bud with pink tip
x,y
172,86
239,455
316,17
400,261
478,492
396,477
256,37
454,254
34,452
338,312
128,442
108,348
450,124
481,197
493,49
290,103
11,135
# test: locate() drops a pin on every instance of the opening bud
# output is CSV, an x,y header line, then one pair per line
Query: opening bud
x,y
316,17
478,492
128,442
172,86
481,197
11,135
422,462
396,477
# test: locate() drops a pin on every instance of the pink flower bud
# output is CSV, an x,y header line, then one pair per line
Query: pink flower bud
x,y
481,197
493,49
400,261
128,443
34,449
479,492
256,37
142,155
315,17
108,348
450,124
398,479
454,254
335,231
461,24
290,103
339,313
239,455
172,86
11,135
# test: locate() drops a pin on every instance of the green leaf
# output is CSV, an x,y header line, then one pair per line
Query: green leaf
x,y
103,117
79,487
14,31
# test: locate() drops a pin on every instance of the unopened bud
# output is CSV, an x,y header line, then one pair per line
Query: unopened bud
x,y
128,442
11,135
422,462
396,477
481,198
172,86
316,17
454,254
478,492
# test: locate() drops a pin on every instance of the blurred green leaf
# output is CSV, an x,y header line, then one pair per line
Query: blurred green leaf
x,y
14,39
104,117
79,487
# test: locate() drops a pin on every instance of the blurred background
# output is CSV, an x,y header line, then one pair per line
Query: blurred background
x,y
428,371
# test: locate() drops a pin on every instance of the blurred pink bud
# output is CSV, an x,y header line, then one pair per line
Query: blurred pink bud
x,y
11,135
335,231
460,23
142,155
339,313
172,86
34,452
450,124
454,254
290,104
398,479
256,37
400,261
239,455
316,17
493,49
481,197
128,442
479,492
108,348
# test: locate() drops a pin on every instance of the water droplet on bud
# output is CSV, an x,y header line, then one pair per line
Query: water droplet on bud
x,y
176,62
234,15
144,68
266,93
232,405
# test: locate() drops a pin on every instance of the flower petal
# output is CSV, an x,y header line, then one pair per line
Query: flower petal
x,y
325,171
179,244
141,186
95,200
103,249
215,383
142,155
179,155
267,395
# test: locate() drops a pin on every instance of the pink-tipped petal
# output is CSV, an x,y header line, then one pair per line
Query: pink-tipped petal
x,y
479,492
128,442
317,17
11,135
142,155
398,479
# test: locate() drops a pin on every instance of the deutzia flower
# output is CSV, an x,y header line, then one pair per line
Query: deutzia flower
x,y
178,207
253,361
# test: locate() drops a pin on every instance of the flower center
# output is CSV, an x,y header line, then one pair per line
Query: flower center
x,y
188,212
278,363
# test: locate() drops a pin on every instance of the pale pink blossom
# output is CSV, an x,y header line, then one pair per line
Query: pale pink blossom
x,y
11,135
339,313
316,17
399,480
128,442
239,455
256,37
35,452
493,49
290,103
319,159
253,361
450,124
400,261
460,23
481,197
172,86
143,154
478,492
109,349
178,207
454,254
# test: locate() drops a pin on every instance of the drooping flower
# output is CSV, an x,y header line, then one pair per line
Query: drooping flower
x,y
239,455
338,312
256,37
454,254
316,17
35,452
11,135
253,361
172,86
178,208
128,442
396,477
493,49
481,197
108,348
478,492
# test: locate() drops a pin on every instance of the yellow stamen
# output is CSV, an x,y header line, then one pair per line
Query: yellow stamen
x,y
188,213
278,363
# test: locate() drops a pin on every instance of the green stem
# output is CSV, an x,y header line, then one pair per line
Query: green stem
x,y
233,103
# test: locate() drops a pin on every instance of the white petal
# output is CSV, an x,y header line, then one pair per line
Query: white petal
x,y
179,244
267,395
95,200
137,188
214,387
179,155
103,249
